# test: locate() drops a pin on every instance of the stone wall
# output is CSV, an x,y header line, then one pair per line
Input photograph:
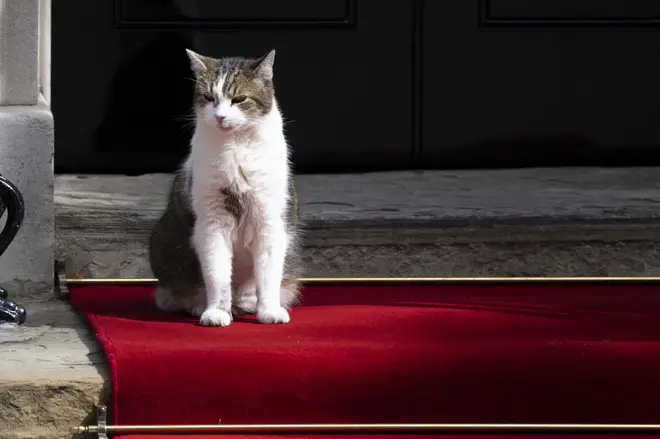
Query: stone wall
x,y
26,150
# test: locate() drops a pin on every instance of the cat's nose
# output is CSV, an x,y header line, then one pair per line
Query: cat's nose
x,y
219,118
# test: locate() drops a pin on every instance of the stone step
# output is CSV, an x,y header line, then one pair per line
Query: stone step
x,y
528,222
52,373
537,222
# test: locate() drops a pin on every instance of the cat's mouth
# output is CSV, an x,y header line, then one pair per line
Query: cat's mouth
x,y
226,128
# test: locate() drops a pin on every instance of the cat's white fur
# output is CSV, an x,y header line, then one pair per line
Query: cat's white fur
x,y
250,156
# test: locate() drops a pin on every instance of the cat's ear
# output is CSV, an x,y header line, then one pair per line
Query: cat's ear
x,y
198,63
263,66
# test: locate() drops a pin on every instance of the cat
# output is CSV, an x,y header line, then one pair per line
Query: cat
x,y
228,241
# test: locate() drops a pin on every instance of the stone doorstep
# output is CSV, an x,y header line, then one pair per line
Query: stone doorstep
x,y
582,250
52,373
527,222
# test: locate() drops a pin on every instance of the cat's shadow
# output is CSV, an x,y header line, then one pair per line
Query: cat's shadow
x,y
148,312
642,319
621,326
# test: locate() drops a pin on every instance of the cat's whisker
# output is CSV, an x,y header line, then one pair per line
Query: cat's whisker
x,y
186,117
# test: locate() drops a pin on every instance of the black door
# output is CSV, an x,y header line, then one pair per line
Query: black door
x,y
541,82
368,84
122,89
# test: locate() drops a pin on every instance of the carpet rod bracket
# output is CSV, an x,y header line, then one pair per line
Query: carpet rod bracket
x,y
102,421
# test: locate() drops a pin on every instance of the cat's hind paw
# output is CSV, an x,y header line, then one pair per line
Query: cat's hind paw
x,y
197,310
274,315
215,317
165,300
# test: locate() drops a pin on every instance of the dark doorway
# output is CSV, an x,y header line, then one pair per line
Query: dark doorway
x,y
366,84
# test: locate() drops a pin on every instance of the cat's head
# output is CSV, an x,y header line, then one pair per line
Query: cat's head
x,y
232,94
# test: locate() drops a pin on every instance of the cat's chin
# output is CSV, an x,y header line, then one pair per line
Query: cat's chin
x,y
230,129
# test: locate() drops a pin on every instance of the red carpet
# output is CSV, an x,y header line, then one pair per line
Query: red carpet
x,y
415,354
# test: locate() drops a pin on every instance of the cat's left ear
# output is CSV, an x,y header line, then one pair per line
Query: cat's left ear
x,y
264,66
197,62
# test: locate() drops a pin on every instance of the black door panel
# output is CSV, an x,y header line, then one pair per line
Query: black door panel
x,y
121,87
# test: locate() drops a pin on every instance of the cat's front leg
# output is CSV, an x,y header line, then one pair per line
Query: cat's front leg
x,y
269,267
212,241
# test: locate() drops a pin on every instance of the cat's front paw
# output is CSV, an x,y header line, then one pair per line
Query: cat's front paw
x,y
215,317
273,315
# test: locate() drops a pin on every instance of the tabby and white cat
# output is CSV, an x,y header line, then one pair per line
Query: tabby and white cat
x,y
227,243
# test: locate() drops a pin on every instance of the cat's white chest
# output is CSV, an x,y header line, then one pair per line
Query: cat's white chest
x,y
235,166
256,170
238,168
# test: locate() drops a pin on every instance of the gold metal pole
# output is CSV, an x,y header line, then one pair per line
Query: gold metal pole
x,y
112,281
402,280
370,428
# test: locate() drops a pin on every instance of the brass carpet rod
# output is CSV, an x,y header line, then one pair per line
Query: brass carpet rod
x,y
400,280
368,428
103,430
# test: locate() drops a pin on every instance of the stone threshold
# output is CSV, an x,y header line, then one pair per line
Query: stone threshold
x,y
529,222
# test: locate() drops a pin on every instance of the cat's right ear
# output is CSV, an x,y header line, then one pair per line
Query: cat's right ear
x,y
197,62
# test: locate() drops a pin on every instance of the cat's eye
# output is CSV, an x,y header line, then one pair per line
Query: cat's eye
x,y
209,97
238,99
